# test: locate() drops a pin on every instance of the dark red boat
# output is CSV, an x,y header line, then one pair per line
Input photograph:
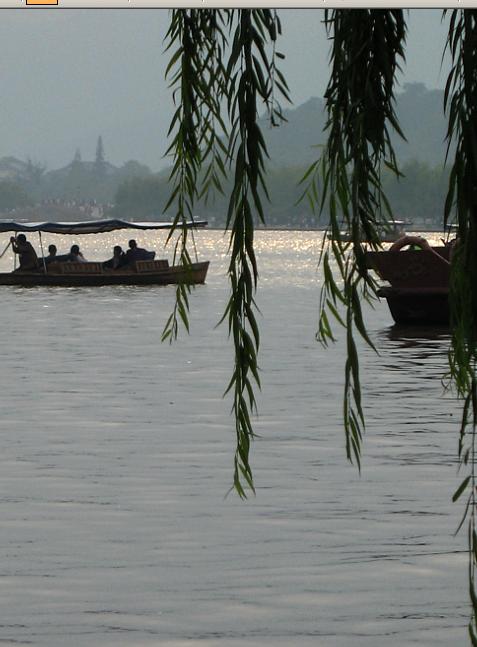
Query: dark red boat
x,y
419,283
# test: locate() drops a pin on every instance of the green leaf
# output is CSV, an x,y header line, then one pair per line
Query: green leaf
x,y
461,489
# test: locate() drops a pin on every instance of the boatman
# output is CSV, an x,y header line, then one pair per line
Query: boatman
x,y
26,253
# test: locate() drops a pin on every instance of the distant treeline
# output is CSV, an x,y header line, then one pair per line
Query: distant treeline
x,y
134,192
419,195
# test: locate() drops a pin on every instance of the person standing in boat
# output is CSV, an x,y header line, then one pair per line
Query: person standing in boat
x,y
26,253
75,256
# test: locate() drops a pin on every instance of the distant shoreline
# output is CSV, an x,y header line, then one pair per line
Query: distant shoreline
x,y
321,229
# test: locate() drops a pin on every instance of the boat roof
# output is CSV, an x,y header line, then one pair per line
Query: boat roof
x,y
90,226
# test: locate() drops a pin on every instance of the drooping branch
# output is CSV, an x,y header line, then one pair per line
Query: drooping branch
x,y
252,76
202,85
367,50
196,39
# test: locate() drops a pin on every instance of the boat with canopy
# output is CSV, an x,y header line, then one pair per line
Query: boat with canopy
x,y
72,274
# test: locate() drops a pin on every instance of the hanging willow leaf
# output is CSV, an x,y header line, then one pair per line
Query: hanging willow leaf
x,y
460,489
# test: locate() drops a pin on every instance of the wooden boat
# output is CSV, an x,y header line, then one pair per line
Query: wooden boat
x,y
72,274
419,283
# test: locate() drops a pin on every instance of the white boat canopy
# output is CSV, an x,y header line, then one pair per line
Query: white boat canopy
x,y
90,226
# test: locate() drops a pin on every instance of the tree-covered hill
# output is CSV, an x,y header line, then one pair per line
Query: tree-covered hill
x,y
420,112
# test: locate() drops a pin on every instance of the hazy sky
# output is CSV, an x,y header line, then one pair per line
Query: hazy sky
x,y
68,76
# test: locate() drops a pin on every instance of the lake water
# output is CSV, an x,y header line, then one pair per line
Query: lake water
x,y
117,453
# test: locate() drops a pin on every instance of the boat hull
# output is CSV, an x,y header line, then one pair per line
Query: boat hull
x,y
194,274
419,306
419,284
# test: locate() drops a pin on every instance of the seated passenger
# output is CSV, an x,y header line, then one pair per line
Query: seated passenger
x,y
136,253
118,259
26,253
52,255
75,256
